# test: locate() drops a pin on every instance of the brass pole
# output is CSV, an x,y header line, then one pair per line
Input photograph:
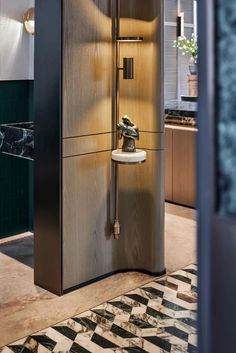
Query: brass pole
x,y
116,226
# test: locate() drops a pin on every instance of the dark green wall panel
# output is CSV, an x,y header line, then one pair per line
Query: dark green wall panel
x,y
16,174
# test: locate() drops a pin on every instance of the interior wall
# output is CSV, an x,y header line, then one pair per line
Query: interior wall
x,y
87,82
16,46
16,105
141,187
47,151
87,136
89,250
142,98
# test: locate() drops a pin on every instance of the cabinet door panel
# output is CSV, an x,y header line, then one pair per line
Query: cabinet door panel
x,y
184,167
168,165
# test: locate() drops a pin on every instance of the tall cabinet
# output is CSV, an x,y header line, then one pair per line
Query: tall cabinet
x,y
74,174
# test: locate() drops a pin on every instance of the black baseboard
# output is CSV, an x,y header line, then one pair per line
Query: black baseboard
x,y
154,274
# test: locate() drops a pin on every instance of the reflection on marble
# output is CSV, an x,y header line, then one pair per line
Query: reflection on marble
x,y
17,140
26,308
226,106
157,317
19,249
180,230
30,308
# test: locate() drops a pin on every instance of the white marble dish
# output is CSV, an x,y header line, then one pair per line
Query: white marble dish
x,y
139,156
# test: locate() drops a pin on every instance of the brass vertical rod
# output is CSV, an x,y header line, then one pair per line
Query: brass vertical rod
x,y
116,227
117,69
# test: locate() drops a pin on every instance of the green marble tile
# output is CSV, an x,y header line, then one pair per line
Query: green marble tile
x,y
16,175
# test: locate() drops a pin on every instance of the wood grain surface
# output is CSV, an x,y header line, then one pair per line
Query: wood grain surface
x,y
142,98
89,249
88,144
184,167
87,67
169,164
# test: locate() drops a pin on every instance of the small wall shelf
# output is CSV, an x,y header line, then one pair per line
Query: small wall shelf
x,y
129,39
137,157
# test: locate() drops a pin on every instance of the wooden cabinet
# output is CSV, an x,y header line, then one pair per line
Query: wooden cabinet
x,y
168,164
180,165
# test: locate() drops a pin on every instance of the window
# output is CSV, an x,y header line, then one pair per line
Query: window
x,y
176,65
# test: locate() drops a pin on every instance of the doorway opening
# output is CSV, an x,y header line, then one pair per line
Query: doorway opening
x,y
180,132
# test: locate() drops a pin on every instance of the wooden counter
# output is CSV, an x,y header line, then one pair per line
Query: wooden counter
x,y
180,164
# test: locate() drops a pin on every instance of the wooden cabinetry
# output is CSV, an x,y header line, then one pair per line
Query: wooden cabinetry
x,y
180,165
168,164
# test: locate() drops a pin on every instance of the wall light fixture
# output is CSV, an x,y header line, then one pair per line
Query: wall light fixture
x,y
118,156
29,21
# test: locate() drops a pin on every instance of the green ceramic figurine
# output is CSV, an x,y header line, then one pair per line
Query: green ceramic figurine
x,y
130,133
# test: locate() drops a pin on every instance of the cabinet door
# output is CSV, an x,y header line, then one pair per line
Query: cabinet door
x,y
184,167
168,165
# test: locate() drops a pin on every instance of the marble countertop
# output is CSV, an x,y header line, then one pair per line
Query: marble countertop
x,y
17,139
181,108
181,113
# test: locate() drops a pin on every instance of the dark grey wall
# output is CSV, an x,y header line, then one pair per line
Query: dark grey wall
x,y
47,181
216,177
226,106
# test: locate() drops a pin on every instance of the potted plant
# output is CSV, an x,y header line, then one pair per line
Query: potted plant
x,y
189,47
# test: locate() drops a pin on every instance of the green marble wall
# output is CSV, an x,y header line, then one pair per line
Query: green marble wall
x,y
16,175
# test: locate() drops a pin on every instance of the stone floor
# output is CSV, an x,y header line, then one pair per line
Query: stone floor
x,y
25,308
159,317
180,237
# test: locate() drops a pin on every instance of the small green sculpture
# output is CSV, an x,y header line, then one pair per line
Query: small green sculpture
x,y
130,133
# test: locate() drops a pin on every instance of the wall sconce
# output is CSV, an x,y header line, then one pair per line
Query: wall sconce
x,y
128,63
29,21
128,68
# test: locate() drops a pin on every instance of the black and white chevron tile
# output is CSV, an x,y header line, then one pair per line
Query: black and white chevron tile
x,y
159,317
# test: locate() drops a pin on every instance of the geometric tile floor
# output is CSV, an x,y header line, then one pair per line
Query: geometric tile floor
x,y
159,317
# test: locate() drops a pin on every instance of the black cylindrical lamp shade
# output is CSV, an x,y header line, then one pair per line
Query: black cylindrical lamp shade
x,y
128,68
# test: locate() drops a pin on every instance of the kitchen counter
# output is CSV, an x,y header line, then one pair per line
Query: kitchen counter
x,y
181,112
17,139
181,108
181,127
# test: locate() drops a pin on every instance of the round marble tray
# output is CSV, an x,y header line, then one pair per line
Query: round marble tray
x,y
129,157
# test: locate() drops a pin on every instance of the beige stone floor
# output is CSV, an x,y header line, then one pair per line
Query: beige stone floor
x,y
25,308
180,237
